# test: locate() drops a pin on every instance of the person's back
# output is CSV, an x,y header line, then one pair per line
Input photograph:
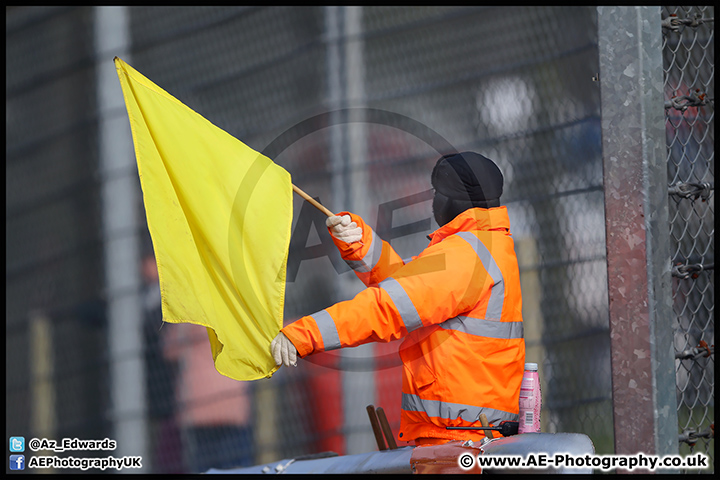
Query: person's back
x,y
472,362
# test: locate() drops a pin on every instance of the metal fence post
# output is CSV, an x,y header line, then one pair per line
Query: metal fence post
x,y
346,79
120,194
636,210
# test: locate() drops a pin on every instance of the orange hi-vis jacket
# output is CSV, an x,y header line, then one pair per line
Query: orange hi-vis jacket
x,y
458,305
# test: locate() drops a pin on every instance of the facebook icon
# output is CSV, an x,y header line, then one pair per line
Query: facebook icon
x,y
17,462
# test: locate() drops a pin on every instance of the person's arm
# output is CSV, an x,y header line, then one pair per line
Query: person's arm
x,y
443,281
371,258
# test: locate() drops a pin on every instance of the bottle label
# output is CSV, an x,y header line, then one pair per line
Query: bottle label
x,y
529,418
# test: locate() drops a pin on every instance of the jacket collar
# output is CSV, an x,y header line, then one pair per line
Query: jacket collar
x,y
485,219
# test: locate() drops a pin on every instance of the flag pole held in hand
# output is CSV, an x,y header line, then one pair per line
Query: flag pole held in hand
x,y
314,202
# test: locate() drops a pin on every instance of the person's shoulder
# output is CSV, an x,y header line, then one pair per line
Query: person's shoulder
x,y
456,242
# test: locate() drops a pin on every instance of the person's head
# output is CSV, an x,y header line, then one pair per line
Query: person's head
x,y
462,181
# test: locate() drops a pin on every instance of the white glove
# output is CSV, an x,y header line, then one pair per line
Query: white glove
x,y
343,228
283,351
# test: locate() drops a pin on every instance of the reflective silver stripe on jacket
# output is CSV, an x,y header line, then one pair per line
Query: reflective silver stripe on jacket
x,y
451,411
328,330
371,258
403,304
484,328
497,294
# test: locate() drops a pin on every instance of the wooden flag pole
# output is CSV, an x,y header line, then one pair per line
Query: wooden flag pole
x,y
314,202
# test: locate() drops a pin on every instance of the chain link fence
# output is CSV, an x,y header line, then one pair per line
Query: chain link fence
x,y
689,74
55,339
356,104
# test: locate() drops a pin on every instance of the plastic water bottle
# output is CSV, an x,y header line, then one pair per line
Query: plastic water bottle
x,y
530,400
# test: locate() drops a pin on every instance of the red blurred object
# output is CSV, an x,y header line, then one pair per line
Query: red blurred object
x,y
444,458
325,391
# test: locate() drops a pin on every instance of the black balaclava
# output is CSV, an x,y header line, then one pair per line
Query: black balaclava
x,y
463,181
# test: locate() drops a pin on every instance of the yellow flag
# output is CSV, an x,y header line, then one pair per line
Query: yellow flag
x,y
220,216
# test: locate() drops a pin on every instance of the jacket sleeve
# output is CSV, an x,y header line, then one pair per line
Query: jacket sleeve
x,y
443,281
372,259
